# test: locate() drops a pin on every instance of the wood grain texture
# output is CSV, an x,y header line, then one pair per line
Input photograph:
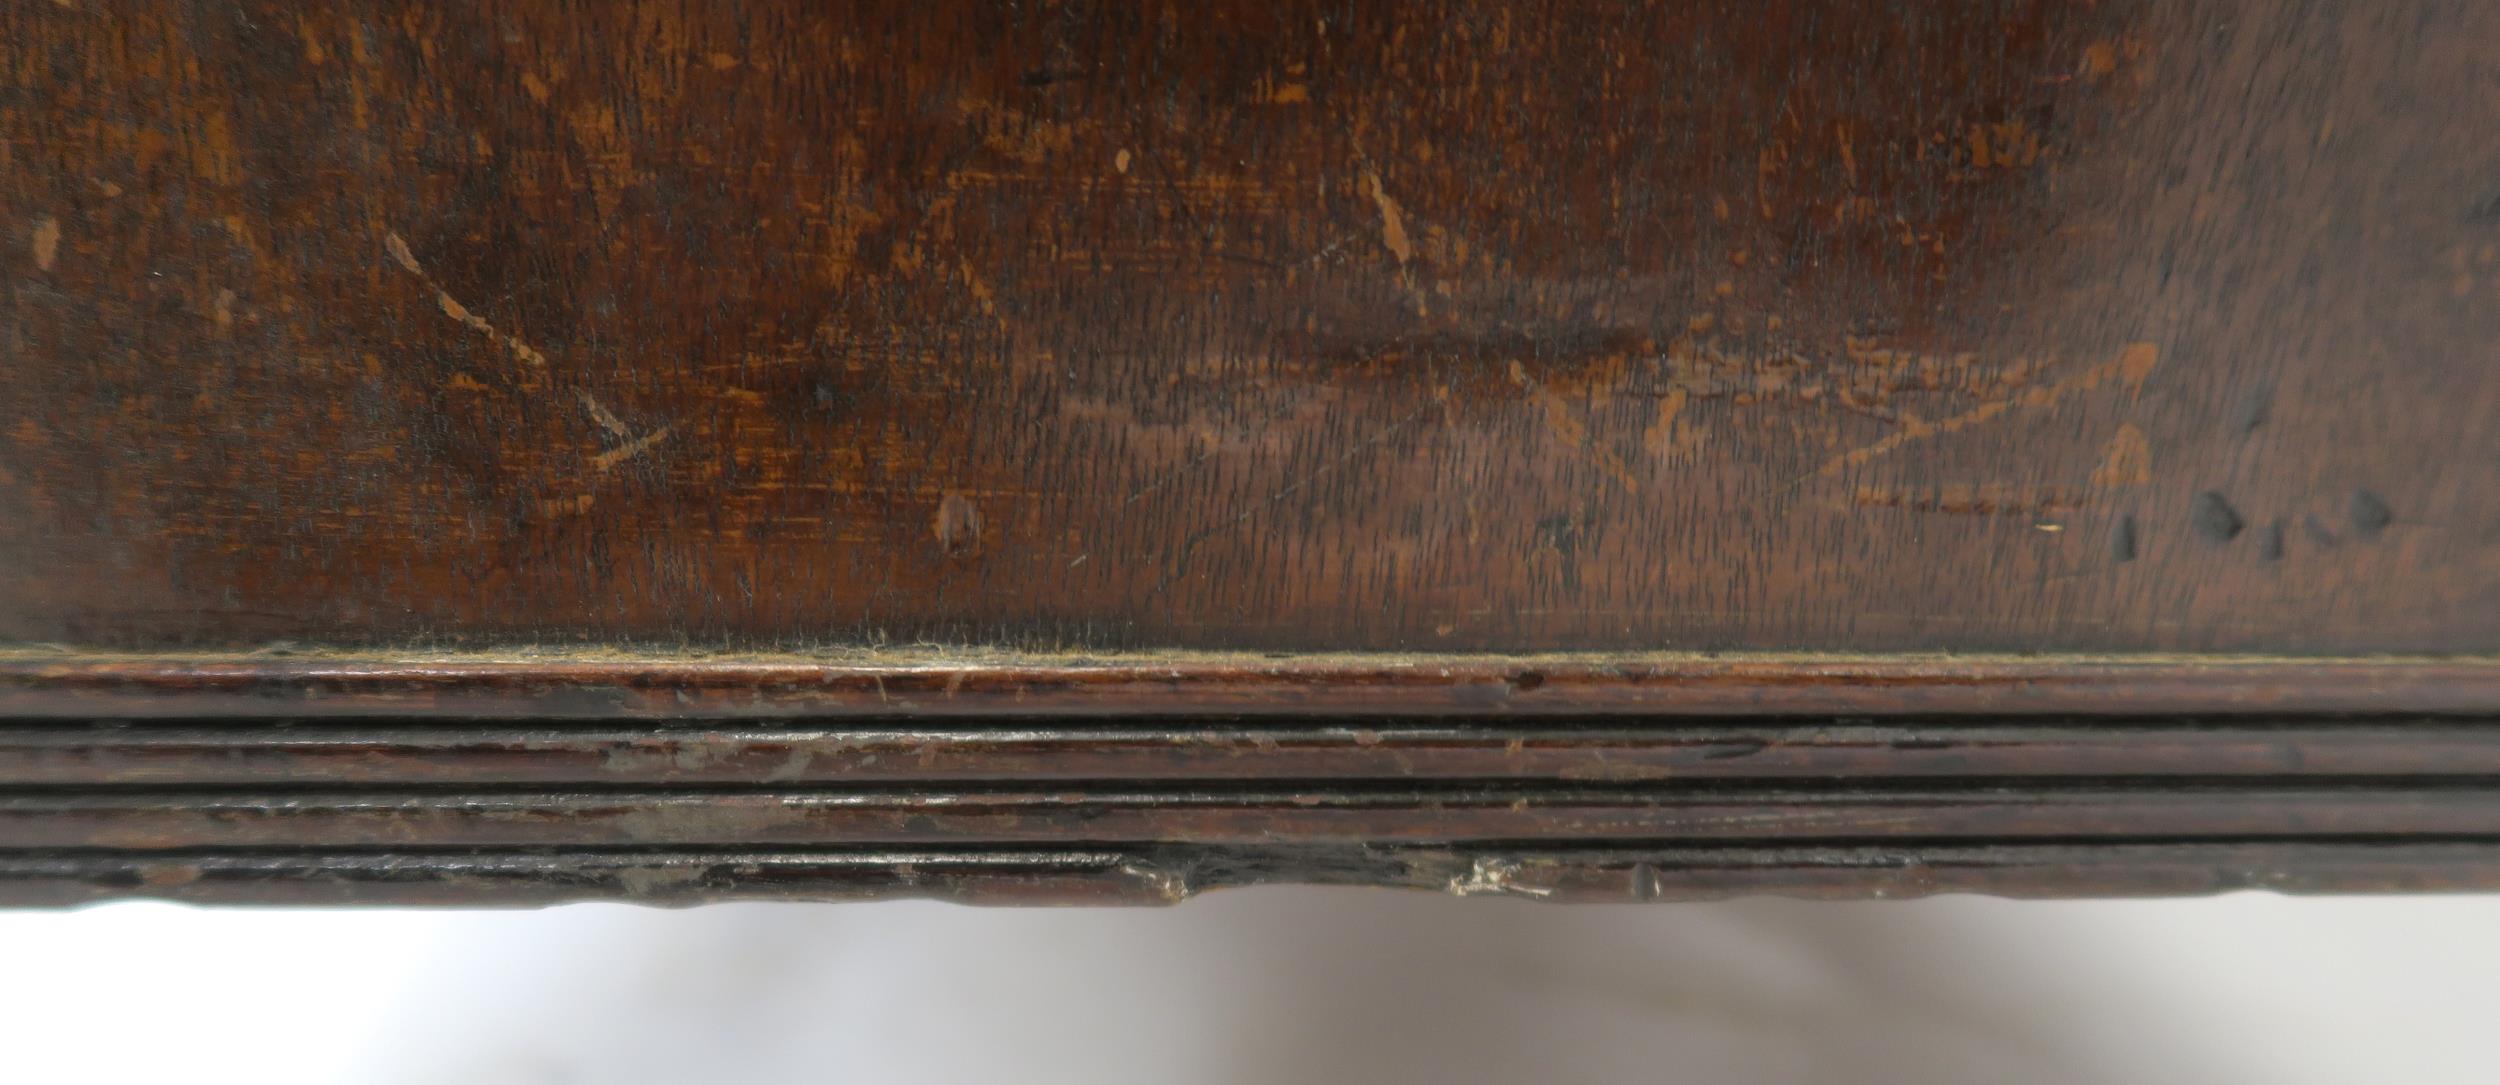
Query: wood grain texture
x,y
1253,324
1090,452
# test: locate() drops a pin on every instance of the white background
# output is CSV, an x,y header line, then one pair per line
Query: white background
x,y
1265,985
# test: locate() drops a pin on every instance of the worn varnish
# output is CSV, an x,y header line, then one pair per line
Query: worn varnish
x,y
1060,451
1277,325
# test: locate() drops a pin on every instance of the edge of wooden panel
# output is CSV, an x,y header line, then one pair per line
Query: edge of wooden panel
x,y
1169,874
43,683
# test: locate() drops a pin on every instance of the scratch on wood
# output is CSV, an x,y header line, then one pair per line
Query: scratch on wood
x,y
606,418
1142,491
2132,366
1669,434
630,449
452,308
1188,546
1392,221
1568,429
2127,461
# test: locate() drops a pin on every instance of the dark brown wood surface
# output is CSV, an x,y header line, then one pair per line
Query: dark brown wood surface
x,y
1847,325
1061,451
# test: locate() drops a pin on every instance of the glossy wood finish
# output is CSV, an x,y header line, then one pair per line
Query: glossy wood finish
x,y
1497,325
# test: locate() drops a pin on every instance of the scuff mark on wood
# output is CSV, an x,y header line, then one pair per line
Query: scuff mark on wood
x,y
1392,221
1571,431
958,525
407,260
606,418
1489,874
1189,546
46,241
2132,366
630,449
2126,461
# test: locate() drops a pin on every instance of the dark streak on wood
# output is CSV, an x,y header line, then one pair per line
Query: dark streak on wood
x,y
2122,544
2369,514
2215,519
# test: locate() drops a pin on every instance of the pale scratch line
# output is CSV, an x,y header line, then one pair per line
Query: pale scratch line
x,y
452,308
530,356
1571,431
1190,545
1325,251
1168,479
606,418
630,449
46,241
2132,364
1392,220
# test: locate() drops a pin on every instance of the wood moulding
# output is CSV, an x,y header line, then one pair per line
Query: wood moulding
x,y
2152,336
997,777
